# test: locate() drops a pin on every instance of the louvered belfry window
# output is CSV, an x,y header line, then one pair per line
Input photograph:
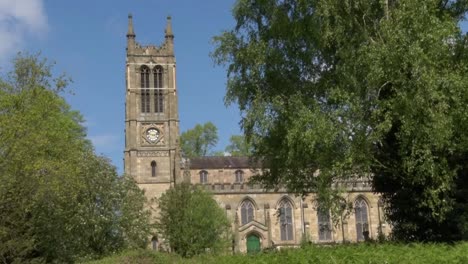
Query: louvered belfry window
x,y
158,93
145,93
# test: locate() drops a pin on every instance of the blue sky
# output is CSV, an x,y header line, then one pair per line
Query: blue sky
x,y
87,40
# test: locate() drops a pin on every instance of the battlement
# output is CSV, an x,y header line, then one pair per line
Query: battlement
x,y
164,49
218,188
235,188
360,185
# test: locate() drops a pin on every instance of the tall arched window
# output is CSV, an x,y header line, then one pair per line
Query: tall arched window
x,y
247,212
158,76
239,176
153,168
158,93
203,176
324,224
145,93
362,224
286,220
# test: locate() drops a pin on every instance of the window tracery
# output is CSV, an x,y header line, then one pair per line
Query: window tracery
x,y
362,224
247,212
286,220
324,225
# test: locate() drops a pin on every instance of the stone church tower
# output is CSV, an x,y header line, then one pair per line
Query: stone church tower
x,y
151,153
259,218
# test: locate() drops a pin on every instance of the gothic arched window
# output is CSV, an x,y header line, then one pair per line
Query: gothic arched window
x,y
158,93
239,176
203,176
286,220
324,224
153,168
362,224
158,76
145,93
247,212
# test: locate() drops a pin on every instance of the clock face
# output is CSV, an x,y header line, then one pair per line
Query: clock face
x,y
152,134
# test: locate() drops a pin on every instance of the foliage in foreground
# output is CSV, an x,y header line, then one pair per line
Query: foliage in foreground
x,y
349,254
59,201
191,221
358,88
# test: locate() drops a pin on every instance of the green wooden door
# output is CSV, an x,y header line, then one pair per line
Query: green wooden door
x,y
253,244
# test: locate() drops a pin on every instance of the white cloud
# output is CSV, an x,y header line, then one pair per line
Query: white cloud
x,y
18,20
102,142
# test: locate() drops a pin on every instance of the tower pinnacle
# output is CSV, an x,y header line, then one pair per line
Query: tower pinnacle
x,y
168,30
130,33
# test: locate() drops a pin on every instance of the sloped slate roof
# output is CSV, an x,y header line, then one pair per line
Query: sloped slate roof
x,y
226,162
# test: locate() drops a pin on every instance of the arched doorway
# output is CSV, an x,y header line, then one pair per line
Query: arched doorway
x,y
154,243
253,243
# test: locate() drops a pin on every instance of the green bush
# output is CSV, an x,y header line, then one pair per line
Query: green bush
x,y
191,221
366,253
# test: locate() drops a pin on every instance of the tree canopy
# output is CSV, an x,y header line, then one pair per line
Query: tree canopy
x,y
59,201
357,88
200,140
238,146
191,221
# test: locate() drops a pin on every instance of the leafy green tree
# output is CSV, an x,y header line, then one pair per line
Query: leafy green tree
x,y
200,140
191,221
357,88
218,153
238,146
59,202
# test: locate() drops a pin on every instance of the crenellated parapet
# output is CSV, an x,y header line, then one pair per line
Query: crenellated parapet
x,y
136,49
234,188
238,188
359,185
164,49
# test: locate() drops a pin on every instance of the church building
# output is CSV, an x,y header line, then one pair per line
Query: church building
x,y
260,218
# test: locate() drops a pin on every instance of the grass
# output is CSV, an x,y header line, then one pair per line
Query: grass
x,y
352,254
